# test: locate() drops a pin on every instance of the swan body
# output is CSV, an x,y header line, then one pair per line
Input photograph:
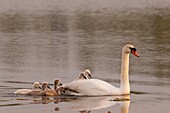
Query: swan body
x,y
91,87
96,87
36,87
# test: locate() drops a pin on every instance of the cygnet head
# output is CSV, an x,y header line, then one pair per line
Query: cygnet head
x,y
87,73
36,86
82,76
57,83
45,86
129,48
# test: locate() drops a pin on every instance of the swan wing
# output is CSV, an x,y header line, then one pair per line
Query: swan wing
x,y
91,87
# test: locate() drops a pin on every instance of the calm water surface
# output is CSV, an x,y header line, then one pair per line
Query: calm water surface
x,y
43,40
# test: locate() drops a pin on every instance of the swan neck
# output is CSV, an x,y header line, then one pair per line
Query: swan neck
x,y
125,87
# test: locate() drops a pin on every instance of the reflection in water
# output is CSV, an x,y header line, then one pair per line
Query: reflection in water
x,y
86,104
94,103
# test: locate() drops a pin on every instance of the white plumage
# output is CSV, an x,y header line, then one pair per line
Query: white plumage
x,y
92,87
96,87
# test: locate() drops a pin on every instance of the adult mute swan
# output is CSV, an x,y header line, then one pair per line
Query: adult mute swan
x,y
97,87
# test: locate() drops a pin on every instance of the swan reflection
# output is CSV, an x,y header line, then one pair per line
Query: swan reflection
x,y
88,104
85,104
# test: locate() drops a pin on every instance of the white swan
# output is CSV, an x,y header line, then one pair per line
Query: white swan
x,y
96,87
36,86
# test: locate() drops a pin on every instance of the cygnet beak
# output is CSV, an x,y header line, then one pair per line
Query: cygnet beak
x,y
60,84
48,87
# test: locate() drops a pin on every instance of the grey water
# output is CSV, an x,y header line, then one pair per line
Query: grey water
x,y
43,40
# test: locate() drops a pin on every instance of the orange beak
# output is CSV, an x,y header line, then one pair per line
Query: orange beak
x,y
135,53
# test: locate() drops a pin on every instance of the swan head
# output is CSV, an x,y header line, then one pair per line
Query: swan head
x,y
45,86
36,86
129,48
87,73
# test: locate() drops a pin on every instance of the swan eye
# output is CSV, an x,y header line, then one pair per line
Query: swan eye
x,y
132,49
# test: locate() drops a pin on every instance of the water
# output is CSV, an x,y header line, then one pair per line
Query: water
x,y
43,40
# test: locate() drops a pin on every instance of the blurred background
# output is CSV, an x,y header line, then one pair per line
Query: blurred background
x,y
42,40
